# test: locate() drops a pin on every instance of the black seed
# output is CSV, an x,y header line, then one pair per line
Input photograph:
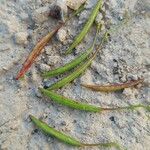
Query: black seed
x,y
112,118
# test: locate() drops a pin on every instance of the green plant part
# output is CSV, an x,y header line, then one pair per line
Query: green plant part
x,y
83,106
86,27
112,87
79,70
65,138
73,63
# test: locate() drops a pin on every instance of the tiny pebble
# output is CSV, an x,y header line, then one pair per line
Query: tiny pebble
x,y
120,17
52,60
132,77
21,38
86,78
18,90
44,67
46,84
130,93
75,4
49,50
99,18
4,68
41,15
61,35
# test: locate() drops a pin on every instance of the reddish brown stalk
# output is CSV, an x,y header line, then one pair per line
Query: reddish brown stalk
x,y
36,51
113,87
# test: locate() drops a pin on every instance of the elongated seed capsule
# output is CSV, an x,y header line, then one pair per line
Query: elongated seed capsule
x,y
78,71
65,138
68,102
51,131
83,106
73,63
86,27
36,52
112,87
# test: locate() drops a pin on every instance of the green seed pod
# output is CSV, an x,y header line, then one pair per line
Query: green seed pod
x,y
86,27
65,138
52,132
83,106
68,102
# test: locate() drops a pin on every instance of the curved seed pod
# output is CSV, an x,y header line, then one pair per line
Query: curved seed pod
x,y
73,63
83,106
40,45
86,27
51,131
65,138
36,52
79,70
68,102
113,87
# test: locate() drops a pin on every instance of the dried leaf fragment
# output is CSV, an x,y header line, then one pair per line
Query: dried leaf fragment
x,y
36,52
113,87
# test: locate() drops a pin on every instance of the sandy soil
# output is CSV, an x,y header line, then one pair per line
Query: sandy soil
x,y
124,57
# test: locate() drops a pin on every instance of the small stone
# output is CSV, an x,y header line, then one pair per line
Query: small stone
x,y
61,35
21,38
120,17
74,4
49,50
52,60
44,67
41,15
4,68
18,90
99,18
127,92
46,84
132,77
86,78
130,93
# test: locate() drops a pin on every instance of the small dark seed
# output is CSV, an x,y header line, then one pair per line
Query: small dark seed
x,y
112,118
